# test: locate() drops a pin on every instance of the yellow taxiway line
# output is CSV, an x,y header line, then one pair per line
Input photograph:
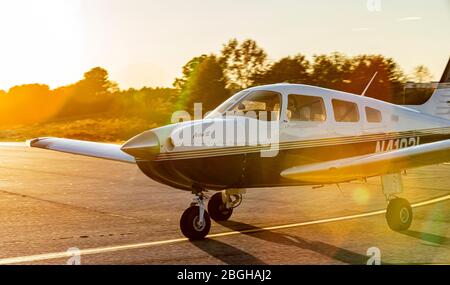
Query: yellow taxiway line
x,y
98,250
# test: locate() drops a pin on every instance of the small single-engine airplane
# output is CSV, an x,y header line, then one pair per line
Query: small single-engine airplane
x,y
323,137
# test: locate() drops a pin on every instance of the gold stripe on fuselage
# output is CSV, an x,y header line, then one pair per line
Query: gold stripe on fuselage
x,y
232,150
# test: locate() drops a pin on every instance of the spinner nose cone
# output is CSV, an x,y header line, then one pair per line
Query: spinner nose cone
x,y
144,146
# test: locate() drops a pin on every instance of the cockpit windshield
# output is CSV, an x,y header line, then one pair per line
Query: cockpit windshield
x,y
222,108
257,103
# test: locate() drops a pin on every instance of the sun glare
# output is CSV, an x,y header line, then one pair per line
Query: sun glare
x,y
37,39
361,195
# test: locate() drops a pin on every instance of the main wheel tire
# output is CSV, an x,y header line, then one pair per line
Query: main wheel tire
x,y
217,208
399,214
189,223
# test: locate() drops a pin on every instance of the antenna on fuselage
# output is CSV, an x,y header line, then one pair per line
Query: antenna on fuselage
x,y
368,85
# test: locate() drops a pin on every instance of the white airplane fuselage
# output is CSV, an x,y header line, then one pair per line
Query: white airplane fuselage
x,y
325,125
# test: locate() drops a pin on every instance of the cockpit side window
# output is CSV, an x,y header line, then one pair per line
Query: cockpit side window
x,y
373,115
345,111
306,108
265,105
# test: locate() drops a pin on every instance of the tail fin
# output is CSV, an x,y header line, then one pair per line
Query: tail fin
x,y
446,76
439,103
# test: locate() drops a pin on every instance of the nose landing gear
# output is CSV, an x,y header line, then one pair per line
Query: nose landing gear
x,y
195,222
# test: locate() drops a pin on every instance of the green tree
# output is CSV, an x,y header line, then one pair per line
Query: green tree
x,y
187,69
206,85
242,63
288,69
418,94
91,95
30,91
330,71
95,83
154,105
26,103
352,74
421,74
388,83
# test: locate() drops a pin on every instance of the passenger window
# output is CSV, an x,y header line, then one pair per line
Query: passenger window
x,y
345,111
373,115
306,108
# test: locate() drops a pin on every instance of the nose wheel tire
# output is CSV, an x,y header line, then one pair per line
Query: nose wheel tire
x,y
399,214
191,226
217,208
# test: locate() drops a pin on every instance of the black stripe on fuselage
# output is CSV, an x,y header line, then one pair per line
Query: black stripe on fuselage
x,y
249,170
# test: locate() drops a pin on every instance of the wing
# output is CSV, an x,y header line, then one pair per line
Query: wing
x,y
93,149
360,167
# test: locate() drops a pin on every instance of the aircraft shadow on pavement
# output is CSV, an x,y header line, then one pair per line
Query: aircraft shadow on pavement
x,y
227,253
433,238
322,248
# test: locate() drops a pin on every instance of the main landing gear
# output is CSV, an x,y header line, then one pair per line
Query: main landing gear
x,y
399,213
195,222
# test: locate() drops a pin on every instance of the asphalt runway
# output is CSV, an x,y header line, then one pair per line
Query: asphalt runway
x,y
54,202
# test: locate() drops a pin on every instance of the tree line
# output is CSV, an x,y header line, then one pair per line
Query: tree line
x,y
94,96
209,79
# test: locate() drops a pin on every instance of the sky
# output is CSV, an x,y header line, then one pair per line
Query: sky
x,y
146,42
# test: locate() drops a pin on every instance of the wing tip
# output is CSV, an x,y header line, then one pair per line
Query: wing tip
x,y
33,142
29,143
